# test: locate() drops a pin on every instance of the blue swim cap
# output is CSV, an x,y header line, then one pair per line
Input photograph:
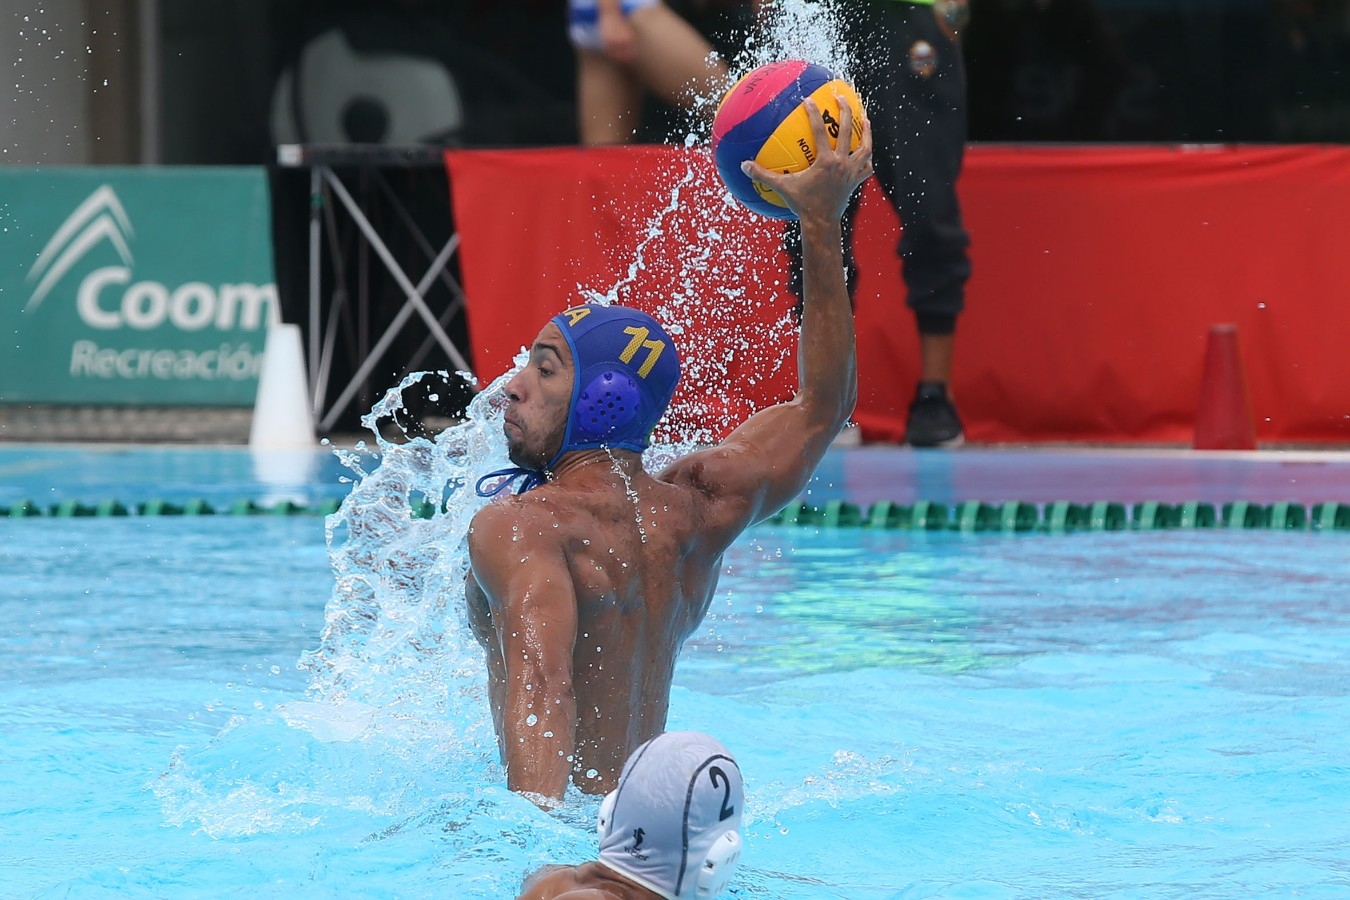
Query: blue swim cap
x,y
625,370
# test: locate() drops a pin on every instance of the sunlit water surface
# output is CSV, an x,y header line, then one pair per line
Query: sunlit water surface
x,y
1154,714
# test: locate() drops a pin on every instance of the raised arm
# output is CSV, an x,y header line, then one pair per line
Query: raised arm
x,y
522,574
768,460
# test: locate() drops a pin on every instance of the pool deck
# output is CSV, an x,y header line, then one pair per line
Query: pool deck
x,y
38,423
869,474
864,475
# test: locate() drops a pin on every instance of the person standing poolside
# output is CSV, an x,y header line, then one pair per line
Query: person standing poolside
x,y
627,47
908,68
670,829
583,586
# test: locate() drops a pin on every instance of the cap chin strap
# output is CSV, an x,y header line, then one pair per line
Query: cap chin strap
x,y
532,478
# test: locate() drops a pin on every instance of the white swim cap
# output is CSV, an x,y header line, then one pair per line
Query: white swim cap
x,y
672,823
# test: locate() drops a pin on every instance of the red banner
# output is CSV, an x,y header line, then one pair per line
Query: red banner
x,y
1097,273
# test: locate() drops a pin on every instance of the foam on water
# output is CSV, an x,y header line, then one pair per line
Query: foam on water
x,y
695,226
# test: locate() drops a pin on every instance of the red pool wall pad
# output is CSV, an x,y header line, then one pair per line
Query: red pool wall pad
x,y
1098,272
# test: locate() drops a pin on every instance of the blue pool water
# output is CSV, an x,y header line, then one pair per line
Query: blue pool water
x,y
1143,714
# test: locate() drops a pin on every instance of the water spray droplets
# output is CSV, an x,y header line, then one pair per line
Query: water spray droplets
x,y
802,29
394,633
632,496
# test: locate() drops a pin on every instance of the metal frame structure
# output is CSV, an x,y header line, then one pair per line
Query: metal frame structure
x,y
325,185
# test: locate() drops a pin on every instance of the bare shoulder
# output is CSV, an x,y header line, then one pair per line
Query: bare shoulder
x,y
549,883
713,470
512,520
724,482
565,883
507,532
759,467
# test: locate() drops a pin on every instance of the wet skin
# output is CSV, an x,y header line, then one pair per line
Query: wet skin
x,y
582,590
588,881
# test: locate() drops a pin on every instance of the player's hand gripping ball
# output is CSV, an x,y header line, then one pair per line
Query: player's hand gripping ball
x,y
762,118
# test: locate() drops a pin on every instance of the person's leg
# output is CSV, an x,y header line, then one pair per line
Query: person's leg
x,y
934,244
609,100
920,99
674,61
935,357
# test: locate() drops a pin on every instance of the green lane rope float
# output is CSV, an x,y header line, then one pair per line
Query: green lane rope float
x,y
966,517
69,509
1063,517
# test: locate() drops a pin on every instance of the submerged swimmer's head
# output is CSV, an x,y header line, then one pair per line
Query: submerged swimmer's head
x,y
672,825
624,369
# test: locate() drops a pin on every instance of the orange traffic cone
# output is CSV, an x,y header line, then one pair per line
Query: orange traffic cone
x,y
1224,420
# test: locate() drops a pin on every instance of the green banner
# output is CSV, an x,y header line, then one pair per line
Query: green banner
x,y
134,285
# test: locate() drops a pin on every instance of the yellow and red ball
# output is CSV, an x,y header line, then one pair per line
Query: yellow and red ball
x,y
762,117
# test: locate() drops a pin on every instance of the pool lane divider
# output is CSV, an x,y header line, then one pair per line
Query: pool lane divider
x,y
1063,517
71,509
971,516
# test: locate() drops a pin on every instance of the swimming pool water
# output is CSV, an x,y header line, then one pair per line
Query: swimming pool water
x,y
1154,714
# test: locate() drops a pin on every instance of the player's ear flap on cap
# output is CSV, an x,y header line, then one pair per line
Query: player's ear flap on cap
x,y
606,816
719,865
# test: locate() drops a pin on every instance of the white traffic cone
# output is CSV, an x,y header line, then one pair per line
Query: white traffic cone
x,y
281,415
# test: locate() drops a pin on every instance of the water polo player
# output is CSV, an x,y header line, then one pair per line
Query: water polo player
x,y
670,829
587,579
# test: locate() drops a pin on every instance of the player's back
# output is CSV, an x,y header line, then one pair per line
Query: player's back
x,y
640,592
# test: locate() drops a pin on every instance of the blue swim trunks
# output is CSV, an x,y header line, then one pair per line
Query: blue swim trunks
x,y
583,20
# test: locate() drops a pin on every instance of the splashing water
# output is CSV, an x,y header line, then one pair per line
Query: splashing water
x,y
391,638
719,284
396,711
801,29
787,29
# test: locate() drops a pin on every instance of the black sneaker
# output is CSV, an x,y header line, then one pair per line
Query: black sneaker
x,y
933,421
